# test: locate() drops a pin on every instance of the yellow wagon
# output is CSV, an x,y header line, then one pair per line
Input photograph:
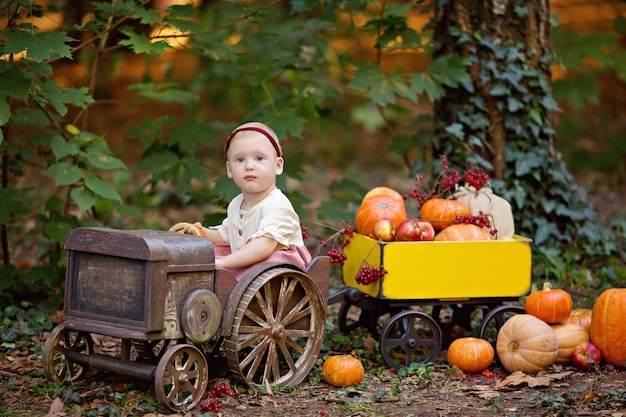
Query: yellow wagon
x,y
467,275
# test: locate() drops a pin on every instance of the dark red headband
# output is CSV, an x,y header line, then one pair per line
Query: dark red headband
x,y
255,129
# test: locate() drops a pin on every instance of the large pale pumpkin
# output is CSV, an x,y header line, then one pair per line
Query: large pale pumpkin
x,y
608,330
441,212
526,343
461,232
552,305
569,336
379,203
343,370
580,316
470,354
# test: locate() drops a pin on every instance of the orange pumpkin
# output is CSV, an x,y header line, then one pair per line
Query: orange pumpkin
x,y
580,316
607,326
569,336
384,203
441,212
342,370
470,354
551,305
462,231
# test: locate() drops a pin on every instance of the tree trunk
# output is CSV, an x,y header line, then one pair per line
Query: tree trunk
x,y
489,33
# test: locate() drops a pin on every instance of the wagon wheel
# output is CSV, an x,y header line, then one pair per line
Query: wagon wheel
x,y
493,321
277,329
56,364
351,317
181,377
410,337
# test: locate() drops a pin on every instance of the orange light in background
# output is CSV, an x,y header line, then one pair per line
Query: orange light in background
x,y
171,35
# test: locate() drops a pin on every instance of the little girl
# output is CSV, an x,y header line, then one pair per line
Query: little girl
x,y
261,223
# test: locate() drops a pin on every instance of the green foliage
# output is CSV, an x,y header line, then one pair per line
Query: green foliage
x,y
299,66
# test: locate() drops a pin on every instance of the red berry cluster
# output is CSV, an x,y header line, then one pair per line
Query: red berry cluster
x,y
305,234
476,177
219,390
480,220
369,274
338,243
446,182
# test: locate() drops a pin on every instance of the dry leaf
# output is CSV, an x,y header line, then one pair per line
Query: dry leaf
x,y
542,379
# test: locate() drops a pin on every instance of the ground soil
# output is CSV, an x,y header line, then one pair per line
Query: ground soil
x,y
438,390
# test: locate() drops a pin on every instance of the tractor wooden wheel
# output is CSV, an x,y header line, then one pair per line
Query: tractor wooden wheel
x,y
277,329
57,365
181,377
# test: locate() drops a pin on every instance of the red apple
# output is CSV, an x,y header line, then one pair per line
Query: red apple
x,y
428,231
385,230
586,355
409,231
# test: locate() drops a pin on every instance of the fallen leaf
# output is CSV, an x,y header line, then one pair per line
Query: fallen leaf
x,y
542,379
55,408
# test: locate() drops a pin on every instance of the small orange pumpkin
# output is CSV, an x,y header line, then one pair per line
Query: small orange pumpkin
x,y
342,370
580,316
470,354
441,212
552,305
462,231
607,326
383,203
569,336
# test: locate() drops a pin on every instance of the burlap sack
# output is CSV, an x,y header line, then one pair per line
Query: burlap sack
x,y
486,201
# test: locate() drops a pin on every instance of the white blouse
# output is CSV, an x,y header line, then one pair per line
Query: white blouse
x,y
272,217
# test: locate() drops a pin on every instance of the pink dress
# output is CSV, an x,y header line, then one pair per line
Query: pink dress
x,y
274,217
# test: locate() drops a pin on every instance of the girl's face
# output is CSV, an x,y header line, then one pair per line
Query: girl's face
x,y
253,165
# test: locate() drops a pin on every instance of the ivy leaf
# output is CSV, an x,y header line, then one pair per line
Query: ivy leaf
x,y
12,81
65,174
40,46
84,199
102,188
141,44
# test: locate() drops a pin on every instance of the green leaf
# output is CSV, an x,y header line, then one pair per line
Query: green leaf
x,y
57,231
102,160
371,79
165,92
62,148
40,46
5,113
157,162
59,97
141,44
423,83
65,174
102,188
147,16
84,199
12,81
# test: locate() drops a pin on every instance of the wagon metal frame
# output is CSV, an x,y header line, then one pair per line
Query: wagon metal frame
x,y
160,293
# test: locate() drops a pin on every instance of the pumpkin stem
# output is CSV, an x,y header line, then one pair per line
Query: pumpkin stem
x,y
547,286
513,347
